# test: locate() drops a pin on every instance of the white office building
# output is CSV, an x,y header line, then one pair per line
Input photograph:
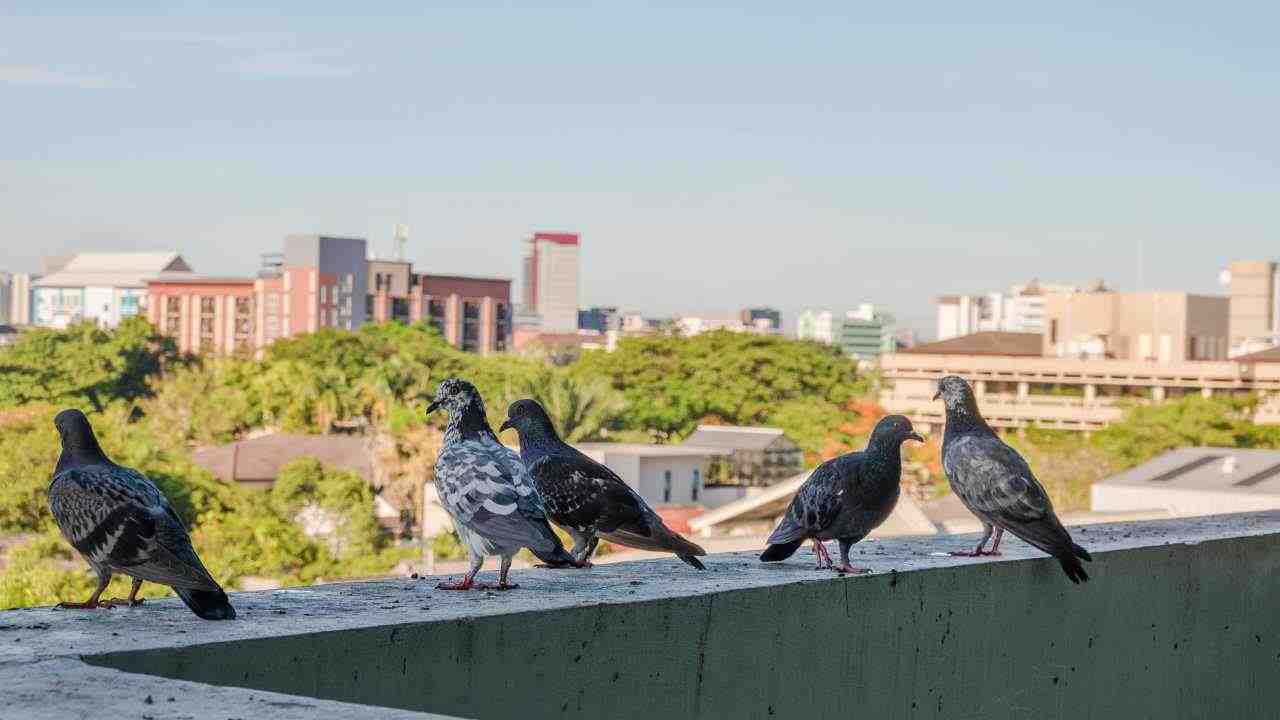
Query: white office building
x,y
821,325
101,287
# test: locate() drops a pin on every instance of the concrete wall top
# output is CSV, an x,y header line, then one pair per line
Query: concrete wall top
x,y
44,650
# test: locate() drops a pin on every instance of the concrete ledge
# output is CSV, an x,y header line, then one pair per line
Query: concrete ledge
x,y
1178,622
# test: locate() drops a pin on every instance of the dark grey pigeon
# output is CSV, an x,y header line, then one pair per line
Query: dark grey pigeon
x,y
586,498
997,485
486,489
120,522
845,498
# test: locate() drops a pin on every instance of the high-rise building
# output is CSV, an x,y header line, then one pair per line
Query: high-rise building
x,y
867,333
550,288
1254,297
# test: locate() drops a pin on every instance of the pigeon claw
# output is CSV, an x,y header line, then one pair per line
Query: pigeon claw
x,y
847,569
91,605
459,585
121,602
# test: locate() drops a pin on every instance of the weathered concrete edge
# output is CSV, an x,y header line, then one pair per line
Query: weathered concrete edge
x,y
63,688
42,654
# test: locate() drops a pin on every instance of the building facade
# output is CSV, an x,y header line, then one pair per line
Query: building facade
x,y
765,320
600,319
550,282
1254,298
1159,327
104,288
819,325
868,333
1017,386
1020,309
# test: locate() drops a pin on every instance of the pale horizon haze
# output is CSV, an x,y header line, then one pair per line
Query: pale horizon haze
x,y
712,157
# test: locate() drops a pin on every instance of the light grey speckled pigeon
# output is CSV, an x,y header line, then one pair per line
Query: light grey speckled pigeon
x,y
845,498
488,492
120,522
997,485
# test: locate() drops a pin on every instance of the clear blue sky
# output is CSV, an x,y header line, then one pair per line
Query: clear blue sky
x,y
711,157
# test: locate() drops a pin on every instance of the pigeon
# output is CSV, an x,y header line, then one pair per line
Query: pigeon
x,y
586,498
120,522
488,492
845,498
997,485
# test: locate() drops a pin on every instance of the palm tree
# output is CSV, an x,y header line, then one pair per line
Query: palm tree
x,y
580,408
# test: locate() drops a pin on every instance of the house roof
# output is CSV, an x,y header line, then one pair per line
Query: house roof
x,y
260,459
113,269
1270,355
560,237
734,437
1207,469
649,450
984,343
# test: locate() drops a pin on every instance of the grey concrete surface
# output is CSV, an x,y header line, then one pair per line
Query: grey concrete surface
x,y
1178,622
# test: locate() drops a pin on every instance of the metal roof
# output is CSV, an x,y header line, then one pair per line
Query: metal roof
x,y
734,437
1232,470
113,269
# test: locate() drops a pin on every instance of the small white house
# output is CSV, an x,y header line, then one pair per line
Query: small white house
x,y
662,474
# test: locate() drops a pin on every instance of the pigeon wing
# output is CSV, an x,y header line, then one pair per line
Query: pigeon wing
x,y
117,518
482,490
996,483
814,508
580,492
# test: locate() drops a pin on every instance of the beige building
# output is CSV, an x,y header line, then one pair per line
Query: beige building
x,y
1159,327
1254,322
1018,387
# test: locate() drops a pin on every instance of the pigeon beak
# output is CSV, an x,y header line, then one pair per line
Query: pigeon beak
x,y
435,405
506,425
915,436
937,396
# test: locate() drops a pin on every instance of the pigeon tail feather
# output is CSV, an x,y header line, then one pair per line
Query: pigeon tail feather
x,y
781,551
208,604
1073,568
692,561
558,557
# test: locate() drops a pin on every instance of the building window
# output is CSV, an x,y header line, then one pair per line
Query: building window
x,y
435,315
470,326
697,484
271,317
172,315
368,308
208,306
1053,332
128,305
400,309
666,486
243,323
502,326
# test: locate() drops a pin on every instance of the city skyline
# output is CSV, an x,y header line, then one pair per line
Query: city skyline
x,y
808,161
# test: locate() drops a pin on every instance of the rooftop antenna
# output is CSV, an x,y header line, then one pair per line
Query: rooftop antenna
x,y
401,240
